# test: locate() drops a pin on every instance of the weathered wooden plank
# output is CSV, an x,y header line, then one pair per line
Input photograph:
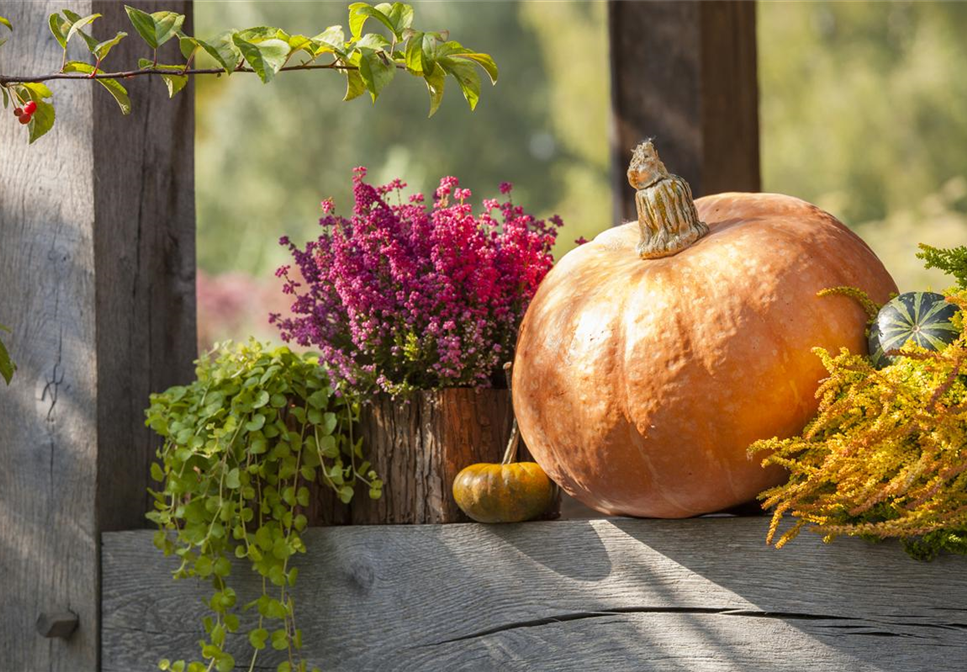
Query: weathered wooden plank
x,y
96,234
690,595
685,73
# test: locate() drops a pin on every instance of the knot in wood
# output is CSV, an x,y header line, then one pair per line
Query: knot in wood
x,y
362,574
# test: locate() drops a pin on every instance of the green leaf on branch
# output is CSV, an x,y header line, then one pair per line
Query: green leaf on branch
x,y
400,16
263,33
188,45
354,84
6,22
77,23
113,86
7,367
6,96
359,12
301,43
466,74
414,53
58,28
222,49
103,48
71,19
42,120
156,28
37,90
373,41
175,82
331,40
435,81
483,60
376,70
265,57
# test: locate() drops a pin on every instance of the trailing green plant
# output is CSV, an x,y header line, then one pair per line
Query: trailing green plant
x,y
369,61
7,367
886,456
242,445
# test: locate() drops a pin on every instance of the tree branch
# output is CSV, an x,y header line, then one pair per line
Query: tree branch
x,y
13,79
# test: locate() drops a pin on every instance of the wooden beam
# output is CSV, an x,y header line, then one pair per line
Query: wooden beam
x,y
618,594
97,278
144,246
685,73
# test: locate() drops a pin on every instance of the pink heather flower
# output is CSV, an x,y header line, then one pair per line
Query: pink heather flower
x,y
581,240
505,187
402,297
328,206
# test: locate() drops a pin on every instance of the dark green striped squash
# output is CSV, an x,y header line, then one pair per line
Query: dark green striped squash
x,y
921,317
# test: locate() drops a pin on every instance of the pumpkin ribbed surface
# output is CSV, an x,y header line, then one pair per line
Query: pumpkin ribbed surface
x,y
639,383
503,493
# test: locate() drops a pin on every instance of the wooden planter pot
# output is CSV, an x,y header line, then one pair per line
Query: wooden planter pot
x,y
419,446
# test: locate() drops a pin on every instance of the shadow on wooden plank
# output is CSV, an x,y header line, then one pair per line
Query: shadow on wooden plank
x,y
575,595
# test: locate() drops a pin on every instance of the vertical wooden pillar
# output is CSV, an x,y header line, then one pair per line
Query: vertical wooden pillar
x,y
97,282
685,73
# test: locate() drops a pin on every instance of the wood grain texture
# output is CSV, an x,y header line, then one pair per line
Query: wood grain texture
x,y
418,447
695,595
685,74
144,243
96,266
48,531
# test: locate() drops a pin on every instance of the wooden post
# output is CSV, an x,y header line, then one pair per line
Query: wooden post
x,y
685,73
97,276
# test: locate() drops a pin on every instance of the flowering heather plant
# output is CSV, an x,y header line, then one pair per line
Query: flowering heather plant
x,y
403,296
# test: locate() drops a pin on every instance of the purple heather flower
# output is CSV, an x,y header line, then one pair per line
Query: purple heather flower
x,y
401,297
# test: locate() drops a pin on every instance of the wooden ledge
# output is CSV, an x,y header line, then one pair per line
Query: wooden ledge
x,y
616,594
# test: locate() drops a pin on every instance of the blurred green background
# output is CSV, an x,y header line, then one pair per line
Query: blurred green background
x,y
863,111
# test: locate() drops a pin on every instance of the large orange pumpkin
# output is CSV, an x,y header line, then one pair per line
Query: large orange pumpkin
x,y
651,357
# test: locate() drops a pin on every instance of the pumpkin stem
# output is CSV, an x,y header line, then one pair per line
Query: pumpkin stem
x,y
666,212
511,453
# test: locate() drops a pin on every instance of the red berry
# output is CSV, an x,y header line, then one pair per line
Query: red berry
x,y
17,111
24,118
30,107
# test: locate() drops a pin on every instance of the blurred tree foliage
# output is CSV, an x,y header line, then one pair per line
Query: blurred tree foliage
x,y
863,113
543,127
